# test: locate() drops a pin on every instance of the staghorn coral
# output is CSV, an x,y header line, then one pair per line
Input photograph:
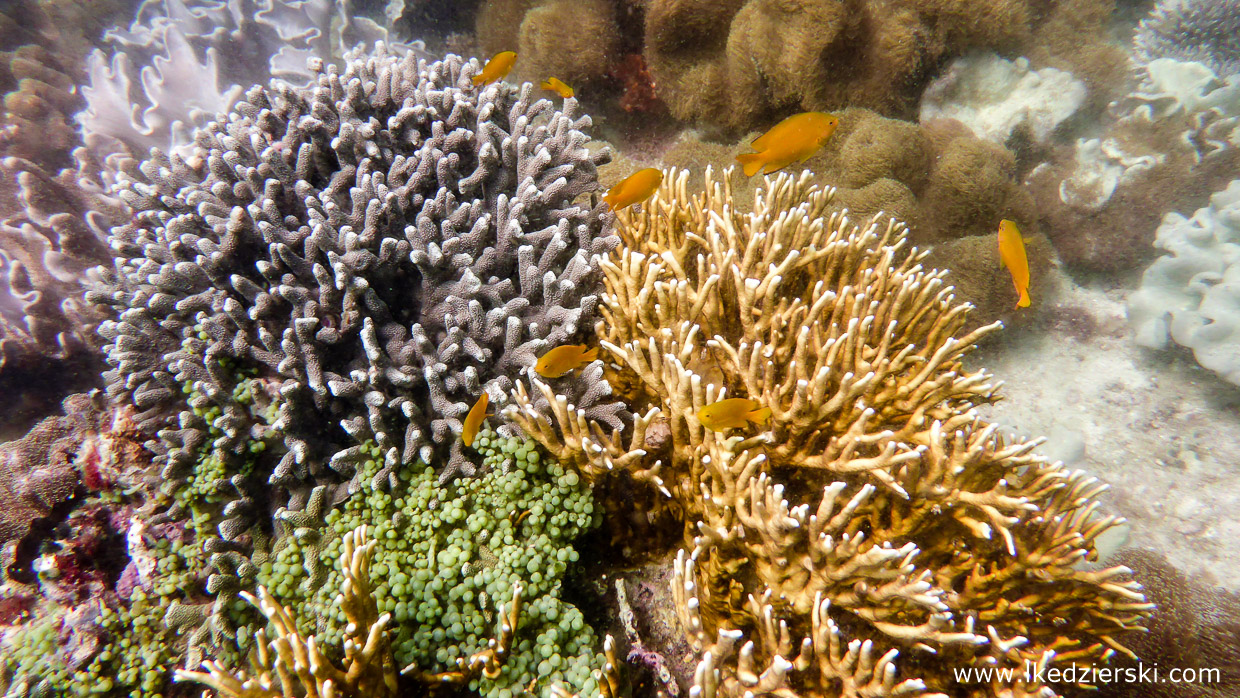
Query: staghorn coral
x,y
183,62
348,264
1201,31
879,518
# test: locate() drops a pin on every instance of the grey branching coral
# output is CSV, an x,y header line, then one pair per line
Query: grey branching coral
x,y
1206,31
376,250
879,533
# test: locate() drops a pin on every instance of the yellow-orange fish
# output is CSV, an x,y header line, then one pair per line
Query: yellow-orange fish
x,y
561,360
557,86
794,139
1012,254
496,68
633,189
473,420
733,413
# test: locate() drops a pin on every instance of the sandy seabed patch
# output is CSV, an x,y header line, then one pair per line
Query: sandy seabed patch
x,y
1163,432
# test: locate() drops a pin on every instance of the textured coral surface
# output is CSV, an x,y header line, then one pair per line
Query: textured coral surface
x,y
877,532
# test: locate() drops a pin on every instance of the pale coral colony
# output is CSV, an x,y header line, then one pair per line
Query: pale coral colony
x,y
299,270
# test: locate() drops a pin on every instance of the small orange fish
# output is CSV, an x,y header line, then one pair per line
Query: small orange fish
x,y
733,413
473,420
561,360
633,189
1012,255
496,68
557,86
794,139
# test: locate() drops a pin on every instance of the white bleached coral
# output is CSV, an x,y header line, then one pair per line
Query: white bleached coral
x,y
1192,295
994,96
1177,97
182,62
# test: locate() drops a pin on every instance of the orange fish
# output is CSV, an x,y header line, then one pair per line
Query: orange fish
x,y
1012,254
633,189
473,420
733,413
496,68
794,139
561,360
557,86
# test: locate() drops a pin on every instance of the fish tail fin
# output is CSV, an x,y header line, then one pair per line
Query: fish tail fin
x,y
750,162
760,416
1024,299
590,354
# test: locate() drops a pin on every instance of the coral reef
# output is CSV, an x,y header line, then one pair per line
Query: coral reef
x,y
1200,31
732,64
1166,147
38,471
447,556
369,669
287,246
574,40
994,97
1192,294
940,179
977,278
181,63
878,518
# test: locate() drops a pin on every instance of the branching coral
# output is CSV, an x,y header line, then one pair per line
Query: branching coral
x,y
379,250
878,516
289,662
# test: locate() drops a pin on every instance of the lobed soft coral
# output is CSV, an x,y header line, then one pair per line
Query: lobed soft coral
x,y
733,63
878,533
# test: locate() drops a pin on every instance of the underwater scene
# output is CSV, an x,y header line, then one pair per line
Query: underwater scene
x,y
620,348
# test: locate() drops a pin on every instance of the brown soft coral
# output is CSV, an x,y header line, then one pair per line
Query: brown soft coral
x,y
877,517
37,471
576,41
731,64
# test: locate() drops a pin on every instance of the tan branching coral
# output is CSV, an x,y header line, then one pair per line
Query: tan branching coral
x,y
289,661
878,533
